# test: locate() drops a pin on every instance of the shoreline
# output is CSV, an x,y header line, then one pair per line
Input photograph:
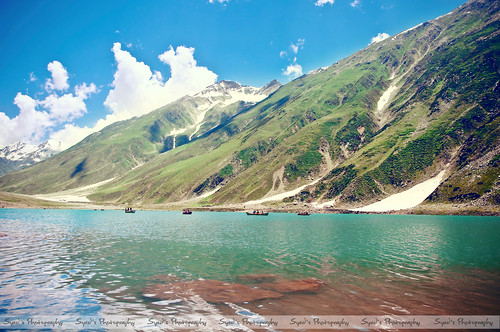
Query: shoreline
x,y
412,201
19,201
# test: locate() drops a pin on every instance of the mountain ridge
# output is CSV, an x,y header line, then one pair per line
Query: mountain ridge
x,y
127,144
380,121
20,155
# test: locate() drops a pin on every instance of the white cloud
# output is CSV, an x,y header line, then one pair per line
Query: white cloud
x,y
378,38
324,2
64,108
37,117
33,78
295,47
293,70
137,90
84,91
134,86
71,134
355,3
28,126
219,1
69,106
59,79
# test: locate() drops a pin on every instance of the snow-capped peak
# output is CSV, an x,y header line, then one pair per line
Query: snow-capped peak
x,y
222,94
225,93
30,153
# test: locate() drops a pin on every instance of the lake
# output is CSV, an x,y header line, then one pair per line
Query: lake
x,y
94,263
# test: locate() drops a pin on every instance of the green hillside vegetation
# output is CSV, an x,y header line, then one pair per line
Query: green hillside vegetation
x,y
115,149
325,126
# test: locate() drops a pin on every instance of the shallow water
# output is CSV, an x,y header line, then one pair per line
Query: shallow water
x,y
92,263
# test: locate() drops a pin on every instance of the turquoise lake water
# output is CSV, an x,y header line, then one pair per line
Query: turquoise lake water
x,y
85,262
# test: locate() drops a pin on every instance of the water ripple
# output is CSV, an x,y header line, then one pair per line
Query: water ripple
x,y
55,262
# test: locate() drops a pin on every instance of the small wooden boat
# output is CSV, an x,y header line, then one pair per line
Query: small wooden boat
x,y
303,213
187,212
129,210
257,213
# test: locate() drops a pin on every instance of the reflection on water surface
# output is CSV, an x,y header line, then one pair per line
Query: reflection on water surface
x,y
56,262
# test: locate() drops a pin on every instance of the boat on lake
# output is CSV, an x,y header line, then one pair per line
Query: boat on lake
x,y
303,213
257,213
129,210
187,211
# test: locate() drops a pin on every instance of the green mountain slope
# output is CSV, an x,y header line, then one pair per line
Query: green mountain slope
x,y
125,145
376,123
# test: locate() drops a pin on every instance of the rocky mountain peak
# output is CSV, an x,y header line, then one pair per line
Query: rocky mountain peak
x,y
19,155
270,87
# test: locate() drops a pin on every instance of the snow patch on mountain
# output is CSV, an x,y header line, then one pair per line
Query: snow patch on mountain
x,y
225,93
222,94
20,155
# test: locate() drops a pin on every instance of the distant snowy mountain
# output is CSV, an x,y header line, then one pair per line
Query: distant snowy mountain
x,y
230,91
195,113
225,93
205,107
20,155
137,141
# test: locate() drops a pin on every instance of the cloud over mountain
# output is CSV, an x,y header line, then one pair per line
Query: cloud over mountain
x,y
37,117
378,38
137,90
293,70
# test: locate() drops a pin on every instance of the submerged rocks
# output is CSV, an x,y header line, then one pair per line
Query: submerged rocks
x,y
257,278
291,286
216,291
213,291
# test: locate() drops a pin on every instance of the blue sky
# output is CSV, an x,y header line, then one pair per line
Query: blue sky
x,y
70,67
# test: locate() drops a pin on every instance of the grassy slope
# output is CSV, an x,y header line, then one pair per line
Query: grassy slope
x,y
102,155
277,124
113,151
445,108
337,105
